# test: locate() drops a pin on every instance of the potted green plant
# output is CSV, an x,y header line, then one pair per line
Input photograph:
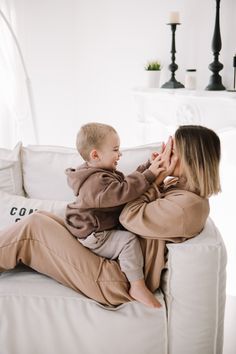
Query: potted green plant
x,y
153,69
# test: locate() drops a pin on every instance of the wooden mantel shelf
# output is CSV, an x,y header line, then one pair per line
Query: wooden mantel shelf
x,y
214,109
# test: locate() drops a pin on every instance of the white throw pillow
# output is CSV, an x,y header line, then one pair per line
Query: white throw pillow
x,y
13,207
44,168
10,170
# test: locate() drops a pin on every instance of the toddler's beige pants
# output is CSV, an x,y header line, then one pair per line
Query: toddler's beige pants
x,y
121,245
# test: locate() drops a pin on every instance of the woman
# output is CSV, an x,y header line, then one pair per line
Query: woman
x,y
170,211
177,209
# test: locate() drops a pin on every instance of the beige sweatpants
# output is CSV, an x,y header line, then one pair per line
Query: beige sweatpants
x,y
121,245
42,242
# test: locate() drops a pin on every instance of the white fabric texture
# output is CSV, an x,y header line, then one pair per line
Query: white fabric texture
x,y
194,287
13,207
44,166
10,170
38,315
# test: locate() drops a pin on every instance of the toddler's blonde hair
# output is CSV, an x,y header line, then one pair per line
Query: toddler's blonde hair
x,y
92,136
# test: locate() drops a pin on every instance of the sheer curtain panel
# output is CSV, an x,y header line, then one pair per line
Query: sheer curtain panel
x,y
17,117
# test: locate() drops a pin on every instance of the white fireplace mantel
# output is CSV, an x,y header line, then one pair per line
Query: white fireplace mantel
x,y
171,108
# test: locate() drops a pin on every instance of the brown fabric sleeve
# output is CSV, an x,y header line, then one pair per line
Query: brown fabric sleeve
x,y
113,192
173,217
141,168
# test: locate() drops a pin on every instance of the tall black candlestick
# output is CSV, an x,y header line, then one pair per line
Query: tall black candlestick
x,y
234,66
234,79
173,83
215,83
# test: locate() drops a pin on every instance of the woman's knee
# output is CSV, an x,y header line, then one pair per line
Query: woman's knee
x,y
34,219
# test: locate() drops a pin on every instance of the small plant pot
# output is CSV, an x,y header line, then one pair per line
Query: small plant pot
x,y
153,78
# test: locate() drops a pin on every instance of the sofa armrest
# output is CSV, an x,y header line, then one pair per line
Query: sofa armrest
x,y
194,284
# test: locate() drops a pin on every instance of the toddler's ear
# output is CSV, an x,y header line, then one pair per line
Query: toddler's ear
x,y
94,155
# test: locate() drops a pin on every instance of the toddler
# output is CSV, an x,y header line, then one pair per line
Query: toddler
x,y
101,192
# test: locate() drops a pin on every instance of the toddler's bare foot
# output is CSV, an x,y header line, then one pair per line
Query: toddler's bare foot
x,y
140,292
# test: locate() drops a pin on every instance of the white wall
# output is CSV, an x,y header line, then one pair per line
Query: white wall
x,y
85,56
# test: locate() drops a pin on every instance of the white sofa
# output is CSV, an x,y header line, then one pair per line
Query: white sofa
x,y
41,316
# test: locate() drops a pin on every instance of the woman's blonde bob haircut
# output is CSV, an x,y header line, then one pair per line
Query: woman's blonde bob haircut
x,y
91,136
199,151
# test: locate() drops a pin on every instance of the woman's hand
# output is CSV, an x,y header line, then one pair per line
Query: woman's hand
x,y
165,161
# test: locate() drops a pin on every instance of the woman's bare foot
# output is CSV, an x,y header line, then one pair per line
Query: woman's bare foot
x,y
140,292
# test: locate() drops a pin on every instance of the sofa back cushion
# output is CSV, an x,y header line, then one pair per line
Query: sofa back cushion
x,y
43,171
10,170
44,168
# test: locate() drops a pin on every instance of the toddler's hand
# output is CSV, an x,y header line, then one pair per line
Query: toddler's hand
x,y
157,153
163,165
154,155
156,165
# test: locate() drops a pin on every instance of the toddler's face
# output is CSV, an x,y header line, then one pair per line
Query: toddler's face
x,y
109,153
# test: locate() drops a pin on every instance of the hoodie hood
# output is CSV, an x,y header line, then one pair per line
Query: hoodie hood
x,y
76,177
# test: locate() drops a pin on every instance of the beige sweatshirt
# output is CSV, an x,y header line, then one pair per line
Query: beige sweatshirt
x,y
173,214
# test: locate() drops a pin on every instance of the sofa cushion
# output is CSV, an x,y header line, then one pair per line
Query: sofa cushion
x,y
44,168
10,170
38,307
132,157
194,287
44,171
14,207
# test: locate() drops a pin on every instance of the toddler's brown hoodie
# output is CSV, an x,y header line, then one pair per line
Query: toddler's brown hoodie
x,y
101,195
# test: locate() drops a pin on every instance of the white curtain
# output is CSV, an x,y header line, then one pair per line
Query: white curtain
x,y
17,117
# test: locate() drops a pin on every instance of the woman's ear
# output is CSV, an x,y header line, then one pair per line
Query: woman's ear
x,y
94,155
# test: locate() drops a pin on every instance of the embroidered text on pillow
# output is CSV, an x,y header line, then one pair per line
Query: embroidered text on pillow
x,y
19,212
14,207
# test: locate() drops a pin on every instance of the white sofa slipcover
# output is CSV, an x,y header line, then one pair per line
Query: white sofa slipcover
x,y
41,316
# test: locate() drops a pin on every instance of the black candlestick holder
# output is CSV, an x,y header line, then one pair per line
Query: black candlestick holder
x,y
215,83
234,66
234,79
173,83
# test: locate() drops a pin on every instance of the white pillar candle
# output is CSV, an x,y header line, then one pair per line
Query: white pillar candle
x,y
174,17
